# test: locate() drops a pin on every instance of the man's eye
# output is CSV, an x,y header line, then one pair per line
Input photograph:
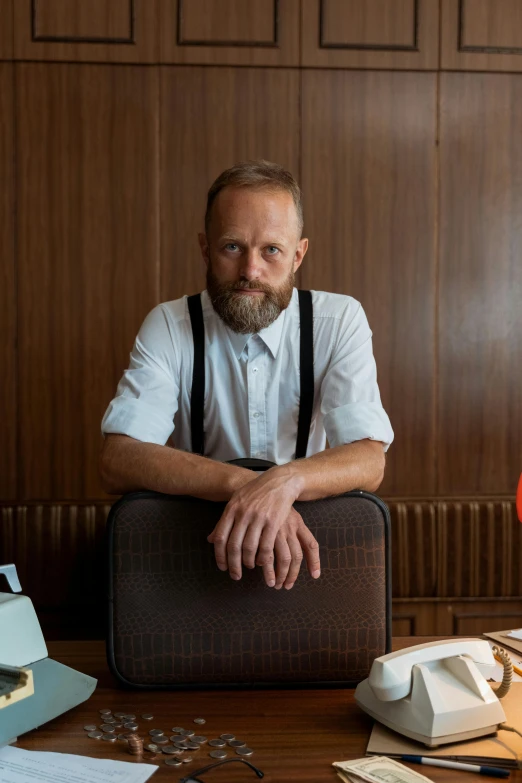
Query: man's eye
x,y
272,250
231,246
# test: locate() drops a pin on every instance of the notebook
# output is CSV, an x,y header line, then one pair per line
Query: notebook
x,y
503,749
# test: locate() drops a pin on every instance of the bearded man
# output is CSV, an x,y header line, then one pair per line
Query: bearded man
x,y
252,248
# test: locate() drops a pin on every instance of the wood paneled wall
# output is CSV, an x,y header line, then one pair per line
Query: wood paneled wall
x,y
113,123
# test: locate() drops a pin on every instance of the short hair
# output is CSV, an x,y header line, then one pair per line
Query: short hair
x,y
258,175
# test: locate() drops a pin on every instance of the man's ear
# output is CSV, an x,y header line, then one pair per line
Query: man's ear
x,y
302,247
203,244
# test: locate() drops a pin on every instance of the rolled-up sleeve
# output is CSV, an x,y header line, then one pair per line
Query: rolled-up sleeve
x,y
350,399
147,395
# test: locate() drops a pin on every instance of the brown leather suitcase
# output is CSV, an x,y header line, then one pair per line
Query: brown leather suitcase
x,y
176,621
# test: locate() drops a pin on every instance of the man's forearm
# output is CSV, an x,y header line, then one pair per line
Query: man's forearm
x,y
127,465
358,465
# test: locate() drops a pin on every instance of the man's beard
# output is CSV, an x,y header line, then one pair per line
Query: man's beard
x,y
248,314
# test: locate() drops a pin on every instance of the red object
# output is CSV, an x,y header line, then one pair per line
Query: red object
x,y
519,499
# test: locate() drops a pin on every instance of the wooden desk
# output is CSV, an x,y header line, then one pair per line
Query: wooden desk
x,y
295,735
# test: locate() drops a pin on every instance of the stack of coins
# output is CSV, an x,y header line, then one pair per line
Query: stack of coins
x,y
135,745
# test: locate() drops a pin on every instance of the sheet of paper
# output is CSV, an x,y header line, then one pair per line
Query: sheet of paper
x,y
33,766
516,634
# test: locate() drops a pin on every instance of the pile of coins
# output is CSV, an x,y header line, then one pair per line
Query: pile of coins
x,y
124,727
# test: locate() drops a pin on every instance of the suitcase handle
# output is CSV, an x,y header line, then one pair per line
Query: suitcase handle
x,y
251,463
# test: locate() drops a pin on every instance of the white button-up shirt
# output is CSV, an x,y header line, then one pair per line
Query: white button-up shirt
x,y
252,383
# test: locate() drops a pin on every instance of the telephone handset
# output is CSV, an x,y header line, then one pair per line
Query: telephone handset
x,y
433,693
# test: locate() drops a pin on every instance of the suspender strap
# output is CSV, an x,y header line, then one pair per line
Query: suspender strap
x,y
306,368
306,364
197,397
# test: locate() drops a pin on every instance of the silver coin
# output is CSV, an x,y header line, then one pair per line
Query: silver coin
x,y
185,759
110,719
187,732
244,752
119,715
181,745
131,726
95,734
105,712
170,750
227,737
122,737
217,743
109,737
192,746
218,754
152,747
200,721
178,729
130,716
199,739
117,726
160,740
90,727
173,762
148,716
237,744
156,733
107,728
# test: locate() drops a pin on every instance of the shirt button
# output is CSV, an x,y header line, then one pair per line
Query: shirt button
x,y
255,369
256,415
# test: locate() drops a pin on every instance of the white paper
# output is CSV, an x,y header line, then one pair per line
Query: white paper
x,y
516,634
34,766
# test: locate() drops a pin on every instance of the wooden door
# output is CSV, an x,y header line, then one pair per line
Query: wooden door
x,y
6,29
230,32
8,385
87,256
480,285
391,34
247,113
93,31
481,35
369,183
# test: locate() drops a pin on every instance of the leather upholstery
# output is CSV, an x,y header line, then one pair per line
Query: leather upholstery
x,y
176,620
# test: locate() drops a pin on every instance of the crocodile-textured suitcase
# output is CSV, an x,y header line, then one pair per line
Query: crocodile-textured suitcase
x,y
176,621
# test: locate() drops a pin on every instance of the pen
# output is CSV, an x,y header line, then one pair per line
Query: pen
x,y
494,772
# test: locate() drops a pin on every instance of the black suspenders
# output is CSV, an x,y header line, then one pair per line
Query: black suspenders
x,y
306,371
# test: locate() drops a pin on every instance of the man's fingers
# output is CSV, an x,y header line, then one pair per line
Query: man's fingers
x,y
283,560
251,544
310,550
297,558
219,537
234,549
269,573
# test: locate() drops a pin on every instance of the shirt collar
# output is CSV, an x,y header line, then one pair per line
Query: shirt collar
x,y
271,336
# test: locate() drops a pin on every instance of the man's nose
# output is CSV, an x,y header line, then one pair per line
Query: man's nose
x,y
251,264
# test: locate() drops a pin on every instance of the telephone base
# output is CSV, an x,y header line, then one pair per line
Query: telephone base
x,y
433,742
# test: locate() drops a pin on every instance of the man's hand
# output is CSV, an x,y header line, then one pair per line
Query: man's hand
x,y
260,522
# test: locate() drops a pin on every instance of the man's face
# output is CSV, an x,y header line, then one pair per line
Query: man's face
x,y
252,252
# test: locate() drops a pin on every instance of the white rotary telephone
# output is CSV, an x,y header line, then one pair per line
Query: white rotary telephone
x,y
434,693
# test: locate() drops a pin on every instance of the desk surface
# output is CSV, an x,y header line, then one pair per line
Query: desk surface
x,y
296,735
